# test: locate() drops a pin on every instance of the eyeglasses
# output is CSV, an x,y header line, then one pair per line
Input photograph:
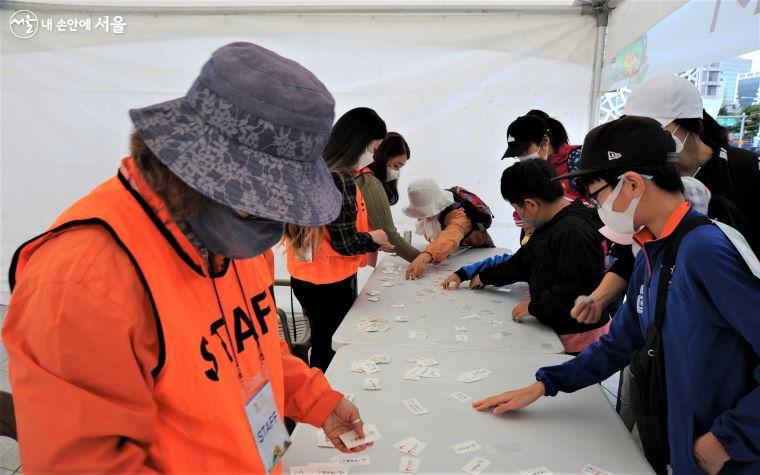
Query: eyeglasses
x,y
592,198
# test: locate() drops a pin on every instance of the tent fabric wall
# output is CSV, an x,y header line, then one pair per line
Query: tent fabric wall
x,y
449,83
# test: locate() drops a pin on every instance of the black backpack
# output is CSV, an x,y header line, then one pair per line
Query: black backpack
x,y
648,388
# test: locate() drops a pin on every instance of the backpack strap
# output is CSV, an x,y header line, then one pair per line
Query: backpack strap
x,y
667,267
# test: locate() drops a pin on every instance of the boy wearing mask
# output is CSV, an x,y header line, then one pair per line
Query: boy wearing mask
x,y
688,325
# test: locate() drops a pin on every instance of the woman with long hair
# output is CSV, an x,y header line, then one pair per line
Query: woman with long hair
x,y
323,262
378,183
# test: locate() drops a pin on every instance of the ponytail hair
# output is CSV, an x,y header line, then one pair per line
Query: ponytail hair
x,y
557,133
707,129
301,239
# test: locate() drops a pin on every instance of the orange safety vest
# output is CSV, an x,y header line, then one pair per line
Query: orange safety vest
x,y
327,266
201,424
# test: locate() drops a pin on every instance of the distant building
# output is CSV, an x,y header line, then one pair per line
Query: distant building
x,y
730,69
717,81
747,89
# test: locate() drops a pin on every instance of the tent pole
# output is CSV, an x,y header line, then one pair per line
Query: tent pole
x,y
602,14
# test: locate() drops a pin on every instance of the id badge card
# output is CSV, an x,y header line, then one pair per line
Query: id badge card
x,y
269,432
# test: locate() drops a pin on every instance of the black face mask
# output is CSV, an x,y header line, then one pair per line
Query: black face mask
x,y
222,231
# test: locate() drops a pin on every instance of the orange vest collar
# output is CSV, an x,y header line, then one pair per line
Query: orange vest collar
x,y
675,218
128,171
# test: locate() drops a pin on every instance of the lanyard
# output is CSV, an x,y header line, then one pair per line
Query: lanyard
x,y
227,328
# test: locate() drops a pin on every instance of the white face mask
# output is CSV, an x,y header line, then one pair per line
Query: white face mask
x,y
428,227
679,144
366,159
392,174
620,222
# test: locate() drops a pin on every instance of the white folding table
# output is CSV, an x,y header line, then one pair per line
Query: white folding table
x,y
562,433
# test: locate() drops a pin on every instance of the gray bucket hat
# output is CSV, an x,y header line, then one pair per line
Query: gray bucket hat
x,y
249,134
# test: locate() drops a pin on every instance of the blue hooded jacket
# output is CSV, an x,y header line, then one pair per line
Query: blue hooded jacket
x,y
711,337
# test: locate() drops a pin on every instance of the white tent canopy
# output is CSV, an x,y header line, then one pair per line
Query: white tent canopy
x,y
449,75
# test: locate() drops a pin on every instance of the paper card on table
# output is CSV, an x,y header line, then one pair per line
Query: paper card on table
x,y
536,471
349,396
476,465
388,284
460,329
426,362
471,316
401,318
589,469
409,465
373,293
381,359
389,271
297,470
460,396
415,359
322,440
325,469
415,406
431,373
350,460
466,447
369,367
486,312
386,278
371,384
373,299
356,366
418,335
472,376
414,373
461,337
398,305
410,446
351,440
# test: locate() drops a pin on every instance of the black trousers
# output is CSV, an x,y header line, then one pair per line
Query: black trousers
x,y
324,305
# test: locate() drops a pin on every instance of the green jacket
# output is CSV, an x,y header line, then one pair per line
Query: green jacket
x,y
379,213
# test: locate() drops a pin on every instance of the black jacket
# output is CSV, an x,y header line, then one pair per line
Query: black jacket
x,y
733,177
562,260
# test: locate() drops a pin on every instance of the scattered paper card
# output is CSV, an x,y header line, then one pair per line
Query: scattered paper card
x,y
426,362
466,447
418,335
351,460
298,470
415,359
325,469
373,299
373,293
460,396
369,367
461,338
414,374
322,440
398,305
471,316
460,329
415,406
410,446
356,366
381,359
476,465
536,471
351,440
386,278
401,318
431,373
371,384
409,465
472,376
589,469
388,284
494,323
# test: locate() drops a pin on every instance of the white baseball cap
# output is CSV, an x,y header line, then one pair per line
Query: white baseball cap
x,y
664,99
